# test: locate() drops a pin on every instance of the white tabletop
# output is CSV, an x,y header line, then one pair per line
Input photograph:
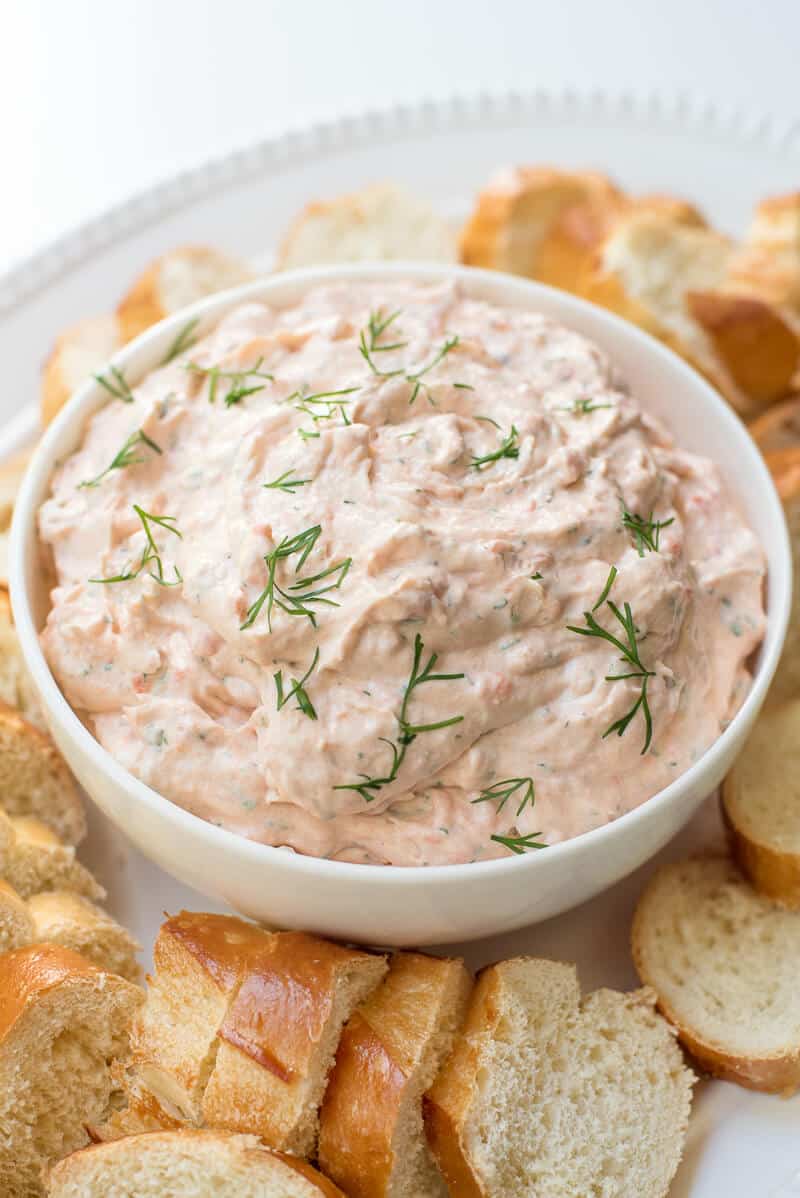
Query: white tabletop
x,y
100,98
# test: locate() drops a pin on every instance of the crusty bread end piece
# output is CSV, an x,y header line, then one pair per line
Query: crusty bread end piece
x,y
546,1093
192,1164
723,960
62,1024
372,1141
79,351
35,780
761,804
173,281
379,223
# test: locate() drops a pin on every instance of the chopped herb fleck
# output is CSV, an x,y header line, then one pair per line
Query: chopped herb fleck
x,y
646,533
127,456
297,690
116,384
284,483
505,789
238,389
150,553
184,340
508,448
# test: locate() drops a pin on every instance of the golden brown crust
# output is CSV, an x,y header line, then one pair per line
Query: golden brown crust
x,y
778,427
222,944
145,303
758,346
80,349
28,973
141,308
784,466
773,872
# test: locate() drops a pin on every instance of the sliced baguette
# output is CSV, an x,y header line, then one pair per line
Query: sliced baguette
x,y
778,427
372,1141
784,465
174,280
645,270
68,919
758,342
380,222
17,927
186,1164
725,964
540,222
548,1094
32,859
279,1036
768,263
81,349
16,688
35,780
761,804
11,472
62,1025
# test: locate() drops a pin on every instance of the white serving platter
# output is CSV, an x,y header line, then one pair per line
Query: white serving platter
x,y
741,1145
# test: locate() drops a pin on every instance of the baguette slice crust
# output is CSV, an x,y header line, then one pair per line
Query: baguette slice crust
x,y
62,1025
724,962
16,688
35,780
372,1141
784,466
17,927
279,1036
758,343
548,1094
379,223
779,427
78,352
761,804
32,859
192,1164
74,922
173,281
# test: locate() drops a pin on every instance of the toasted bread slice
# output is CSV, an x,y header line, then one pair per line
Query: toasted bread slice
x,y
174,280
16,688
784,465
35,780
723,960
761,804
11,472
32,859
546,1093
778,427
17,927
758,342
65,918
372,1141
274,1057
192,1164
63,1023
381,222
81,349
768,263
540,222
645,270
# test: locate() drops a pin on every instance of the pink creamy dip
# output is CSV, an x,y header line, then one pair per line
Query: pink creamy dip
x,y
487,565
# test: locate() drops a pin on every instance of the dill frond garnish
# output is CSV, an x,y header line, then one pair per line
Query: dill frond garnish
x,y
368,346
284,483
116,384
184,340
646,533
238,389
520,844
629,654
582,407
298,690
503,791
150,553
299,597
509,448
323,405
127,456
407,732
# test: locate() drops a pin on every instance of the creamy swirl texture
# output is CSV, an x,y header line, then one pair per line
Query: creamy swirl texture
x,y
282,517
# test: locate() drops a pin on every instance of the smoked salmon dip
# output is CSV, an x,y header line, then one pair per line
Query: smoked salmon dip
x,y
396,576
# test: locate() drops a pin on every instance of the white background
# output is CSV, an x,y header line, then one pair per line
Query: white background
x,y
102,97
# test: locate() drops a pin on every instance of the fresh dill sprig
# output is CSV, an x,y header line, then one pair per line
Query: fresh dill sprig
x,y
298,598
509,448
629,653
368,346
323,405
505,789
150,553
238,389
116,385
184,340
298,690
582,407
284,483
646,533
407,732
520,844
127,456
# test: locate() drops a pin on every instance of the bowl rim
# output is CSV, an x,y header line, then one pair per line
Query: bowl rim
x,y
89,397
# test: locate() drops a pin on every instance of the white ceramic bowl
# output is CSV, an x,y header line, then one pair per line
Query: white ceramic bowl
x,y
382,904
